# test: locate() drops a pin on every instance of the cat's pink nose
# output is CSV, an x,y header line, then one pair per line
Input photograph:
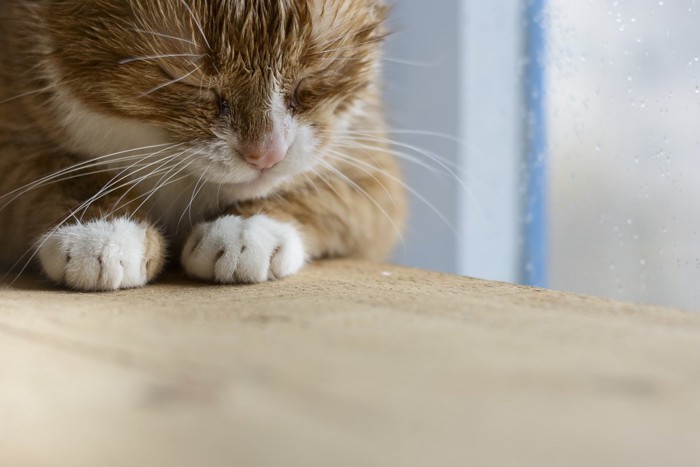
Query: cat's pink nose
x,y
266,154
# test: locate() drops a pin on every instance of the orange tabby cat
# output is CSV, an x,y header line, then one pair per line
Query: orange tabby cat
x,y
245,136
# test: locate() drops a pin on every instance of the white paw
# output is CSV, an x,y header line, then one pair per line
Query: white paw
x,y
102,255
234,249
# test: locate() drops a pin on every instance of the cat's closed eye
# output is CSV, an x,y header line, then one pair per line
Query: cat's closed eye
x,y
224,107
296,98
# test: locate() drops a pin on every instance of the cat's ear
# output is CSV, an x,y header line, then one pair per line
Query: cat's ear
x,y
379,14
343,20
380,10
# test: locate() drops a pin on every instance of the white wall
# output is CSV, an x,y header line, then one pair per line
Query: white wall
x,y
465,81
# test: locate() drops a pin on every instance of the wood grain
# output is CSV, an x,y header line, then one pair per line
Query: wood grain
x,y
348,364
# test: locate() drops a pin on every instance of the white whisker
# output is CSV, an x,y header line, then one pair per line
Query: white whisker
x,y
125,174
197,23
362,191
195,192
371,174
429,156
171,82
164,36
36,91
60,175
145,58
415,63
358,164
163,183
157,171
421,151
366,148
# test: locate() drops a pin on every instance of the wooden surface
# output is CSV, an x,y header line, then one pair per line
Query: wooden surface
x,y
344,365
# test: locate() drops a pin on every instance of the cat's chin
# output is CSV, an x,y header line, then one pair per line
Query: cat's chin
x,y
243,185
263,185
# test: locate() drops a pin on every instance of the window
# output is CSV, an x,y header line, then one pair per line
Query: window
x,y
624,101
610,207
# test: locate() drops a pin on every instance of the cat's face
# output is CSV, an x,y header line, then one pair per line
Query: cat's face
x,y
251,90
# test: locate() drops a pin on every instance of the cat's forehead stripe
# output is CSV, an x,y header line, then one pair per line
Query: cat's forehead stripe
x,y
259,31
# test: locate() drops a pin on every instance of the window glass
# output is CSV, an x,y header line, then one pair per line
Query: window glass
x,y
624,133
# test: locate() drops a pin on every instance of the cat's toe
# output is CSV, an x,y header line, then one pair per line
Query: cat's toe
x,y
233,249
102,255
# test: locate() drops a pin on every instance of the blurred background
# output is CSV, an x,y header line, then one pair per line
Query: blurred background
x,y
552,143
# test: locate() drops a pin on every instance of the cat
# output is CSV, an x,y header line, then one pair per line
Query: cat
x,y
245,137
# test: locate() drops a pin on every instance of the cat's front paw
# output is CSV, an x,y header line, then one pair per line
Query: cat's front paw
x,y
234,249
103,255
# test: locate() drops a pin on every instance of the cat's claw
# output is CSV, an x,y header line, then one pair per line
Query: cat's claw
x,y
102,255
234,249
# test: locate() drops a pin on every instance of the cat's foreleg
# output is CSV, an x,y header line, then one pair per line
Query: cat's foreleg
x,y
243,249
344,212
81,234
102,254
